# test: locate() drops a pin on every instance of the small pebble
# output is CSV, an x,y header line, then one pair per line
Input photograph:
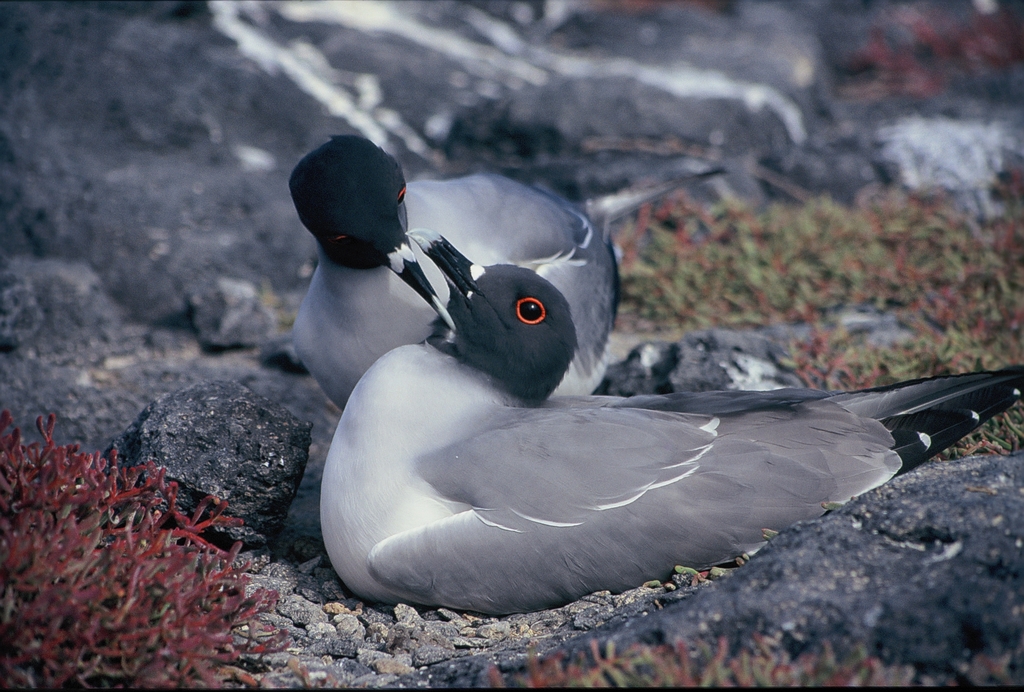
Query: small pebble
x,y
407,615
494,630
335,608
377,632
308,566
318,629
428,655
348,625
393,666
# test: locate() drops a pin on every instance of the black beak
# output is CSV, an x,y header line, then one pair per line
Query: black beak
x,y
403,263
456,267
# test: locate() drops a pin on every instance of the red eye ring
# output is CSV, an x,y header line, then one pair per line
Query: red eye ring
x,y
529,310
401,194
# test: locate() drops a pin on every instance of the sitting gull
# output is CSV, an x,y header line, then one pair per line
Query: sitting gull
x,y
454,480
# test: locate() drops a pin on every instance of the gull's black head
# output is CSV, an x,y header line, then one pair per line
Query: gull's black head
x,y
349,194
514,326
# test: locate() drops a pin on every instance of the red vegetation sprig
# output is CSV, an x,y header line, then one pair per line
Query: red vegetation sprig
x,y
914,50
103,582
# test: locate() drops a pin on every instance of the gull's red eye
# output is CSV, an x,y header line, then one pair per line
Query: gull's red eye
x,y
339,238
401,194
530,311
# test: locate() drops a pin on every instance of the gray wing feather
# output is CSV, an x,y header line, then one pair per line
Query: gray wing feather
x,y
524,224
911,397
570,502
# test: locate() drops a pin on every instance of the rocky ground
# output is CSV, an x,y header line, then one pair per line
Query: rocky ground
x,y
923,572
150,257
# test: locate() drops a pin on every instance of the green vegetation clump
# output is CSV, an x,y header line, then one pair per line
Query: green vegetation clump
x,y
667,666
955,284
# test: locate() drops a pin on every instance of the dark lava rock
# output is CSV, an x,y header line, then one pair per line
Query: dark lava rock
x,y
127,132
300,610
20,315
332,646
230,314
55,306
279,352
707,360
219,438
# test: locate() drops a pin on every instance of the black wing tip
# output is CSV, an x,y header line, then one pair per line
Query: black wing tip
x,y
921,435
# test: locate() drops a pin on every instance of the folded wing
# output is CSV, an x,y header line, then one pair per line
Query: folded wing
x,y
608,497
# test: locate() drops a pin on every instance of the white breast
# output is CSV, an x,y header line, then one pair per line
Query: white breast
x,y
413,401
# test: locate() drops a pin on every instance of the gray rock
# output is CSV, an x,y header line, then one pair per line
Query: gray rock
x,y
278,351
591,618
377,615
20,315
331,589
253,561
429,655
494,630
384,680
348,626
881,329
378,634
56,307
300,611
369,656
321,630
280,622
283,571
282,678
308,566
261,581
337,647
442,629
962,157
400,664
130,163
407,615
352,667
706,360
311,589
306,548
221,439
230,314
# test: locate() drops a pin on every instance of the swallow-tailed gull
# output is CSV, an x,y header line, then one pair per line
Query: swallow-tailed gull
x,y
354,198
454,480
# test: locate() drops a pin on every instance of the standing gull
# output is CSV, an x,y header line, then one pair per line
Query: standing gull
x,y
453,480
353,197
